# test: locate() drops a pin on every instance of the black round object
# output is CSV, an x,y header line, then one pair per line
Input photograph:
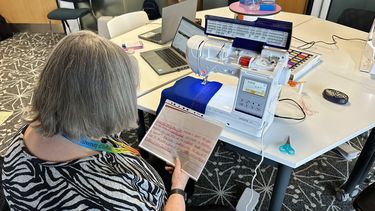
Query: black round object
x,y
335,96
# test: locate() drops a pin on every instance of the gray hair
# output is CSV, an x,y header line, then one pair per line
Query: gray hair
x,y
86,89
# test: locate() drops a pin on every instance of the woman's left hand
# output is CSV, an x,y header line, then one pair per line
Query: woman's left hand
x,y
179,177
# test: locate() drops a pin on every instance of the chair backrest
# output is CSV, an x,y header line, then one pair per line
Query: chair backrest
x,y
126,22
365,200
357,18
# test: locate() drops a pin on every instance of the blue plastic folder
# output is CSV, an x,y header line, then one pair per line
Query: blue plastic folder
x,y
191,93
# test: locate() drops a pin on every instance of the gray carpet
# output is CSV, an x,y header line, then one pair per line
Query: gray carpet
x,y
227,173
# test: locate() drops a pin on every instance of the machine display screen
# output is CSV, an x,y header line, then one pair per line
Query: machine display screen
x,y
254,87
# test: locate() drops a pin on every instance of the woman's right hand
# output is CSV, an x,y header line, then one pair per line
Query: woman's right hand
x,y
176,202
179,177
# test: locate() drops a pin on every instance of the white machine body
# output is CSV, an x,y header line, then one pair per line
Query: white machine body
x,y
250,106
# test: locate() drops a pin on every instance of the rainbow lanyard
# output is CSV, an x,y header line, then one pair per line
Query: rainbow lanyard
x,y
99,146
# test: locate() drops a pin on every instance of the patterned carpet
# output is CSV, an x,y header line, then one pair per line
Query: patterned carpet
x,y
227,173
21,59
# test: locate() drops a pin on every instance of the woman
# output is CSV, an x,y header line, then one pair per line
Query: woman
x,y
66,158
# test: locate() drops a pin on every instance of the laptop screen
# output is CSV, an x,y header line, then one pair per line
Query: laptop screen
x,y
185,30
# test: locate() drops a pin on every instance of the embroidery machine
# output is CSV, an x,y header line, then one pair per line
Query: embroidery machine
x,y
257,56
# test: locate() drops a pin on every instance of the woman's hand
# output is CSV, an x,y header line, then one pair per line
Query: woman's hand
x,y
176,202
179,178
169,168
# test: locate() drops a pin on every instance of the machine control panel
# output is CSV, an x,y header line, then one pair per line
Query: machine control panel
x,y
252,96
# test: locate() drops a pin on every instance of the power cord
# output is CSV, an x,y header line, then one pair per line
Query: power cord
x,y
260,163
310,44
292,118
262,145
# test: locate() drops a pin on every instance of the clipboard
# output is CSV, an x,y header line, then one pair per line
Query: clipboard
x,y
183,132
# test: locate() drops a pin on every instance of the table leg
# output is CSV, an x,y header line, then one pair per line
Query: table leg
x,y
141,125
361,168
141,132
279,189
200,5
151,118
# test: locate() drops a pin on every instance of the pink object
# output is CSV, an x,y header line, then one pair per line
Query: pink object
x,y
241,9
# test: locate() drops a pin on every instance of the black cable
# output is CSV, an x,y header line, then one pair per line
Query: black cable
x,y
334,41
292,118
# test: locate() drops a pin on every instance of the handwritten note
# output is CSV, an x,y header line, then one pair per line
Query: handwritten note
x,y
178,132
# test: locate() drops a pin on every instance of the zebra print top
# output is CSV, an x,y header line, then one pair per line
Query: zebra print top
x,y
103,181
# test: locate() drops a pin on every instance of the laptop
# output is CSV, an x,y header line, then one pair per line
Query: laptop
x,y
170,17
170,59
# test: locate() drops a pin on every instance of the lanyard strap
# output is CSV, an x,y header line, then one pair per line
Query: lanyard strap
x,y
99,146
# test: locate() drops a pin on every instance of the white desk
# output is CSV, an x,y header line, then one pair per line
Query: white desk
x,y
330,125
149,79
357,85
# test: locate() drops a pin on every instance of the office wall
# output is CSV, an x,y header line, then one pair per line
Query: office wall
x,y
116,7
109,8
337,6
33,13
294,6
26,11
370,4
209,4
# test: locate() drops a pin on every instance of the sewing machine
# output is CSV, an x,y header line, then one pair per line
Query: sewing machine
x,y
250,106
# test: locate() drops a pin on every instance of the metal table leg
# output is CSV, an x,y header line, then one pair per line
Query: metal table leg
x,y
360,170
141,125
282,177
279,189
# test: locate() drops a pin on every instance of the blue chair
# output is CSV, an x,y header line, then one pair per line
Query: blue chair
x,y
64,14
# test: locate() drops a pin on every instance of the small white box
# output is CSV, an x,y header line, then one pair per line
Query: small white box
x,y
243,204
347,151
102,26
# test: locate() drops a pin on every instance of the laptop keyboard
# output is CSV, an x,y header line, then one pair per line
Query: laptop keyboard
x,y
170,57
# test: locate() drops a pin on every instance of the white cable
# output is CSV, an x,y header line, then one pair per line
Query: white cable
x,y
349,143
260,163
371,31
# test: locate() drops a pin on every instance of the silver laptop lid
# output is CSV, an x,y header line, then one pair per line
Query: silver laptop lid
x,y
185,30
171,16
